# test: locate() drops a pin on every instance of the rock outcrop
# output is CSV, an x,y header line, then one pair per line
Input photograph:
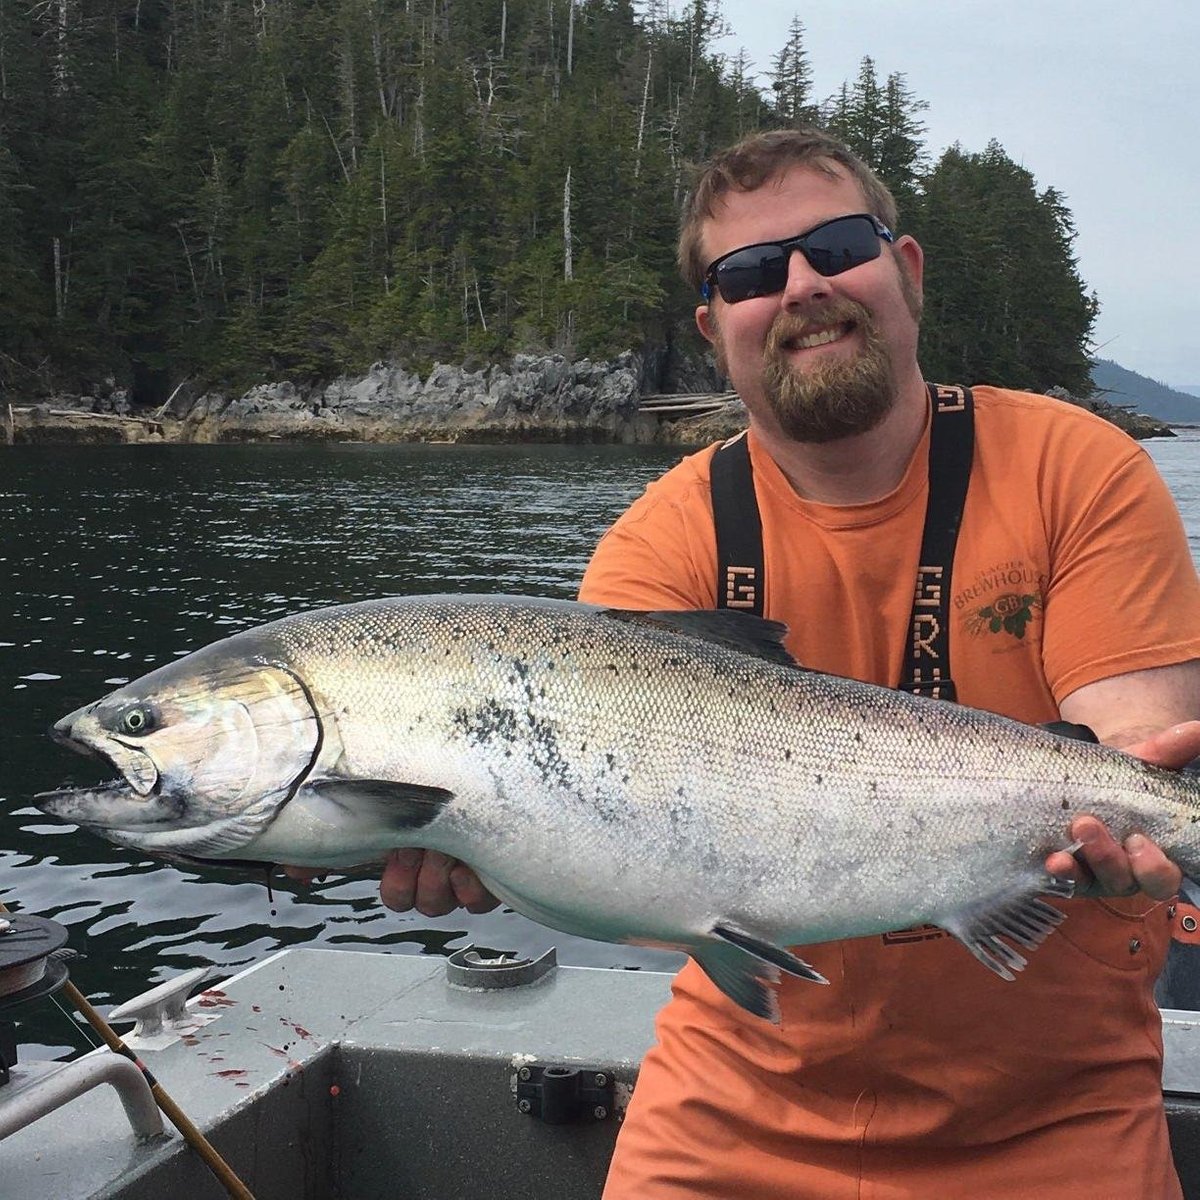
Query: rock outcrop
x,y
532,398
1137,425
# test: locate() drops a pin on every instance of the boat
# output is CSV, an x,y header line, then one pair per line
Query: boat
x,y
324,1073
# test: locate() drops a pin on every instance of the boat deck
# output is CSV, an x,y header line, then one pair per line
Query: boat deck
x,y
349,1074
334,1073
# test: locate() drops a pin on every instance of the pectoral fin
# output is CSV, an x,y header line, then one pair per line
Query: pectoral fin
x,y
746,968
399,806
1018,914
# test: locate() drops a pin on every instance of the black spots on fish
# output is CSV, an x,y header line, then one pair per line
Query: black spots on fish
x,y
818,780
612,767
489,722
516,733
787,756
858,737
1066,804
605,797
547,756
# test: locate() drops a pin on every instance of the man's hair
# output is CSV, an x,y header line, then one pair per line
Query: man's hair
x,y
758,159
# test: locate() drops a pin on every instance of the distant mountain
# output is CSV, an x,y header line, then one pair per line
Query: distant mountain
x,y
1127,388
1192,389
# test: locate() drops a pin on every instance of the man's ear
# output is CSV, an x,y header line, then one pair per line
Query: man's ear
x,y
705,323
912,261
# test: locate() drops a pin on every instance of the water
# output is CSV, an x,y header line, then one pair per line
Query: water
x,y
114,560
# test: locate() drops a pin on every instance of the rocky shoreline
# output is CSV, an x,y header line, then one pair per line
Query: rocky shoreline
x,y
533,398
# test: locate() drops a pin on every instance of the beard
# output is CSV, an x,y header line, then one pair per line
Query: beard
x,y
834,397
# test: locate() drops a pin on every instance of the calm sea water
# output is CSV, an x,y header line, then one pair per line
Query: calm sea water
x,y
114,560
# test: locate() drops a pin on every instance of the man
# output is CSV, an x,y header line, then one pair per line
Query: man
x,y
917,1073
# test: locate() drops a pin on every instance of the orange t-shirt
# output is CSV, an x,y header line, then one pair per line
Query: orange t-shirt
x,y
918,1073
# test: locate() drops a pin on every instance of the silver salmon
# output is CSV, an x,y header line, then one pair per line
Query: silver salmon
x,y
672,779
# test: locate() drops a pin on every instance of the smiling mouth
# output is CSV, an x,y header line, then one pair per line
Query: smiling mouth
x,y
820,337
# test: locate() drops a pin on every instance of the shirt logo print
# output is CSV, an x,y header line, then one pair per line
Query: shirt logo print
x,y
1003,603
1009,613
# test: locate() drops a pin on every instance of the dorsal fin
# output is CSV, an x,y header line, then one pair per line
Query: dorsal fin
x,y
723,627
1069,729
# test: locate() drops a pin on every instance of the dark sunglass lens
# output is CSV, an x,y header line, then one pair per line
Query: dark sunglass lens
x,y
842,244
756,271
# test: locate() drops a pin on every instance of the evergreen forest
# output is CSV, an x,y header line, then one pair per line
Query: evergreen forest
x,y
235,191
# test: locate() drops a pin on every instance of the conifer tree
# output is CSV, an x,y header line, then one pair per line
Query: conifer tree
x,y
239,192
1004,299
791,80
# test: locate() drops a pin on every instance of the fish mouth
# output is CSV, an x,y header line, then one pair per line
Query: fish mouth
x,y
135,765
135,801
110,808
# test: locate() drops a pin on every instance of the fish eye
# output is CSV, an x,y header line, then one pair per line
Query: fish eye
x,y
137,720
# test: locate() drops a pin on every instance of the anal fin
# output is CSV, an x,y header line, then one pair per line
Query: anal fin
x,y
1016,915
746,968
768,952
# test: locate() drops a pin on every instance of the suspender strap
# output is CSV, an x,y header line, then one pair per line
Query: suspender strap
x,y
741,577
739,528
926,667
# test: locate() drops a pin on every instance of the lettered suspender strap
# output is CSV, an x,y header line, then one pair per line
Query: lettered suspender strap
x,y
739,528
926,667
740,573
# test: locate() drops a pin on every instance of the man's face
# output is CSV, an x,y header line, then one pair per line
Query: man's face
x,y
822,359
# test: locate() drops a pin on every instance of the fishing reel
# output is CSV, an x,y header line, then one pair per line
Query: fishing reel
x,y
31,966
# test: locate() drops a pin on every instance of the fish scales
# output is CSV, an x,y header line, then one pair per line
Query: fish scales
x,y
653,778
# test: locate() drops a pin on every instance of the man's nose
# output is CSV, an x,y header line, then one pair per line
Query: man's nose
x,y
803,282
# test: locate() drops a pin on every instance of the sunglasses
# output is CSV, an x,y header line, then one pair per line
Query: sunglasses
x,y
829,248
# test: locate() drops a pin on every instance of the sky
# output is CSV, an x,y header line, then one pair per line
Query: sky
x,y
1098,99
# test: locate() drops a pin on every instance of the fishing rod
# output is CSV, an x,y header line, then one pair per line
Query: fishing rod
x,y
189,1132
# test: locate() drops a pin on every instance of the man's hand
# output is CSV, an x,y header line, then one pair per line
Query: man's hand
x,y
1111,868
426,880
432,883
